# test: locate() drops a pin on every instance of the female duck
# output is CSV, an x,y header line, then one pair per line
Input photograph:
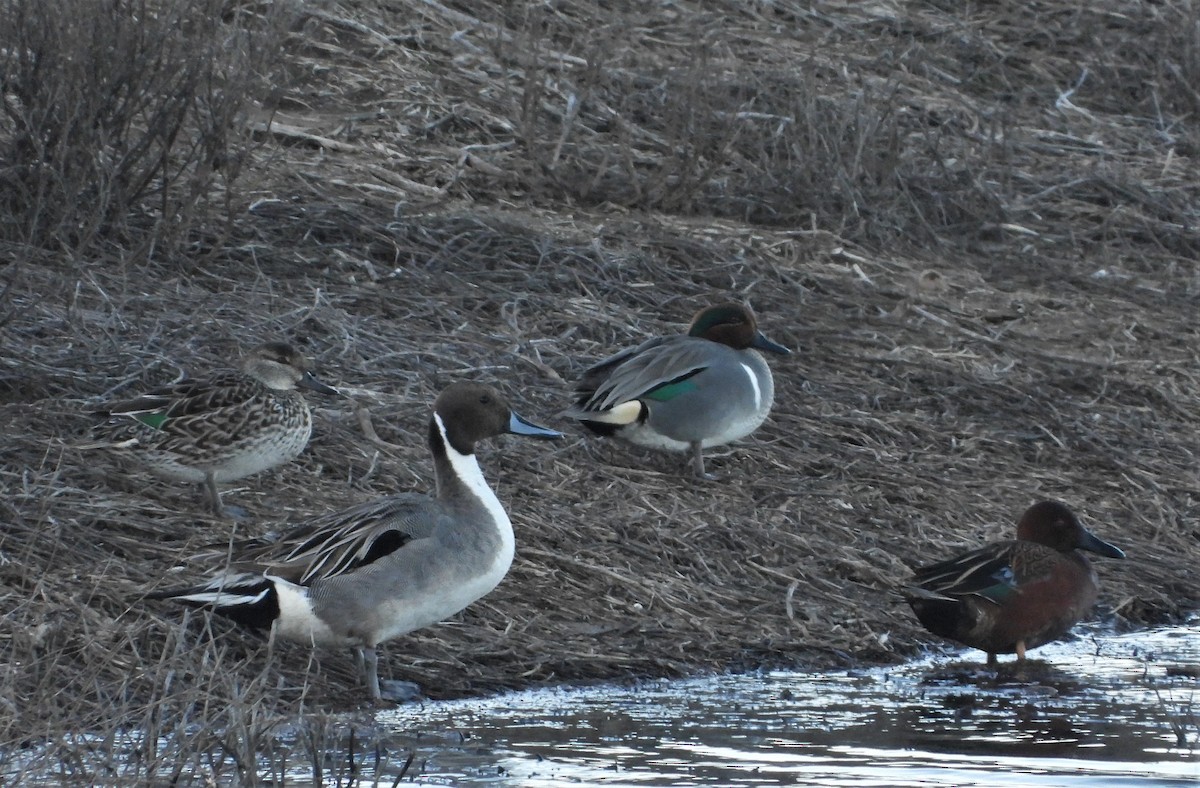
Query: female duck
x,y
684,393
384,568
232,424
1016,595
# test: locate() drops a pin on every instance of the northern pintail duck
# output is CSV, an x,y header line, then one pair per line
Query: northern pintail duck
x,y
384,568
684,393
1014,595
229,425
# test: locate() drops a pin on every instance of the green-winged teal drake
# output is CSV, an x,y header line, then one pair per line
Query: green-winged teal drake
x,y
684,393
229,425
1014,595
384,568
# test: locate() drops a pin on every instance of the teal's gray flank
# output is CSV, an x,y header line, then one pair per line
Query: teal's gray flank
x,y
720,387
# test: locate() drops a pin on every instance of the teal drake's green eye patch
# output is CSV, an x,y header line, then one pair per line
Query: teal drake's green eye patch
x,y
155,420
670,391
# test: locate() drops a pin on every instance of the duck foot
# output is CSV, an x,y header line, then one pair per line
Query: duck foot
x,y
398,691
233,512
218,508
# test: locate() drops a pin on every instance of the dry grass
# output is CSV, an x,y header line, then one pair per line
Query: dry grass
x,y
123,124
991,283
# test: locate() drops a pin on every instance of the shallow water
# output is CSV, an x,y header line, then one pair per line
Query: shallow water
x,y
1099,711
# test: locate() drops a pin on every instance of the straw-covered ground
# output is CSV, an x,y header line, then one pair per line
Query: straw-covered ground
x,y
976,226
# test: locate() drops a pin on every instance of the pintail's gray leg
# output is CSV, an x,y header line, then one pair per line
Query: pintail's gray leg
x,y
371,669
395,691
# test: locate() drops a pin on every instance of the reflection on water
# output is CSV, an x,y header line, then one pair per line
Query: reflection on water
x,y
1104,711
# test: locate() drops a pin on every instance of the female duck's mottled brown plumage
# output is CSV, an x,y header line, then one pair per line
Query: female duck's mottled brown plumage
x,y
1015,595
229,425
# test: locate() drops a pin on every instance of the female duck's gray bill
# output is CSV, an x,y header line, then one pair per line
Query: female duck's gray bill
x,y
1100,547
762,343
312,384
518,425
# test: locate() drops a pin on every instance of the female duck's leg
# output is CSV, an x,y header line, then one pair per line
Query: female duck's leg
x,y
214,495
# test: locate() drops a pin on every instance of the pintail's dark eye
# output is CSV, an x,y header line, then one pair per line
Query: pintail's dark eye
x,y
485,399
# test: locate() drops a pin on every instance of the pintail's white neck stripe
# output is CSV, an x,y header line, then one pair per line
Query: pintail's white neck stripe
x,y
467,469
754,383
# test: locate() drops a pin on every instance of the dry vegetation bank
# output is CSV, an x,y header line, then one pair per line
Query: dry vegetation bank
x,y
976,225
